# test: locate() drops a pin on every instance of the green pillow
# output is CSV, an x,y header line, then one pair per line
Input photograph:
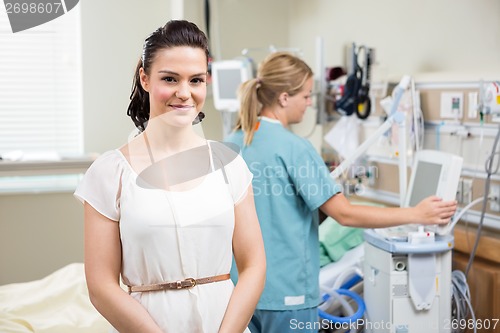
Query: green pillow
x,y
335,240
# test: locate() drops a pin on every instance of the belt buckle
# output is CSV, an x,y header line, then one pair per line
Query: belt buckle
x,y
181,284
193,283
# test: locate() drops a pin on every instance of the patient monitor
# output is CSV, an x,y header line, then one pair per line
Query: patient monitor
x,y
227,76
434,173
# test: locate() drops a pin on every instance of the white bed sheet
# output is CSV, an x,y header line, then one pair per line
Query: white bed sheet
x,y
58,303
330,272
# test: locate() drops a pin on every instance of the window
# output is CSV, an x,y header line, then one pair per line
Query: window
x,y
40,87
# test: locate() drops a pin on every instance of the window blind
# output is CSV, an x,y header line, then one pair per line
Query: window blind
x,y
40,87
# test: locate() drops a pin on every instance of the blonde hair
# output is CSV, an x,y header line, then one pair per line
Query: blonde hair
x,y
280,72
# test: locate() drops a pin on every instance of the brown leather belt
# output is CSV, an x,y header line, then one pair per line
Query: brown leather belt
x,y
180,284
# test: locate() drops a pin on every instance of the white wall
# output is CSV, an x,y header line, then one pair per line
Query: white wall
x,y
113,32
39,233
410,37
240,24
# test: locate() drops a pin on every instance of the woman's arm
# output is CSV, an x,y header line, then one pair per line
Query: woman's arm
x,y
102,271
248,248
431,210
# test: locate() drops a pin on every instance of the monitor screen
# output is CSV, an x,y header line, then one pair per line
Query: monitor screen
x,y
229,81
425,182
227,76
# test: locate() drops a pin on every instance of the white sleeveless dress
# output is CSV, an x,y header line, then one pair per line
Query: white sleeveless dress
x,y
168,236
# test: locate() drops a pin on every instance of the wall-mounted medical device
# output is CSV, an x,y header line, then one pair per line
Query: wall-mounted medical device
x,y
490,98
227,76
355,97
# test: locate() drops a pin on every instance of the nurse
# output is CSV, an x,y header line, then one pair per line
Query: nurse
x,y
287,202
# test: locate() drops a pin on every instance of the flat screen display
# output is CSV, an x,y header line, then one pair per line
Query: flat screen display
x,y
229,82
426,182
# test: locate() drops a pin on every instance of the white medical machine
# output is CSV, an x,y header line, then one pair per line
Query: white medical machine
x,y
490,98
407,270
227,76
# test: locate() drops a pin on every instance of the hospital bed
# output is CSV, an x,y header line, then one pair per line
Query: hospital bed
x,y
342,269
343,247
341,251
58,303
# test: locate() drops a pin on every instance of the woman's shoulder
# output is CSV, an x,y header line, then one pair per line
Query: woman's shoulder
x,y
108,163
101,185
110,157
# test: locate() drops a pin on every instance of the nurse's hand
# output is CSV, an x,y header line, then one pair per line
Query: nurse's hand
x,y
433,210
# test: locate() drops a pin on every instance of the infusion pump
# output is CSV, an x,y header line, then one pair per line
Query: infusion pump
x,y
491,99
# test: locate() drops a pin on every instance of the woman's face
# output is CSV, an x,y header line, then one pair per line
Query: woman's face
x,y
297,104
176,84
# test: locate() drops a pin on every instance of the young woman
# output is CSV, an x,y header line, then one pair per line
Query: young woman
x,y
291,182
167,210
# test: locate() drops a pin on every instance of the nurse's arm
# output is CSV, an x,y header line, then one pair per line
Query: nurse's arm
x,y
431,210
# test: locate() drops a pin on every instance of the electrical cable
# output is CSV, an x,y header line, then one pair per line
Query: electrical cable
x,y
461,301
438,138
418,119
207,17
476,170
463,211
416,115
422,127
489,172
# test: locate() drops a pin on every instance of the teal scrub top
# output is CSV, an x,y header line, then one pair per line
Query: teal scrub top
x,y
290,183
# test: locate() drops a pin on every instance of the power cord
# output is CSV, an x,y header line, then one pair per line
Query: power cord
x,y
489,172
461,303
465,209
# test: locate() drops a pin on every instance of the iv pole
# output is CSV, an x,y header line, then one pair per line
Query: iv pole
x,y
397,117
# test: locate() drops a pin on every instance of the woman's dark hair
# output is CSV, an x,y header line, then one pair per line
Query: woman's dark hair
x,y
174,33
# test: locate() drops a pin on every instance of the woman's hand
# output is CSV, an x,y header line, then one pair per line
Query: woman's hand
x,y
433,210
